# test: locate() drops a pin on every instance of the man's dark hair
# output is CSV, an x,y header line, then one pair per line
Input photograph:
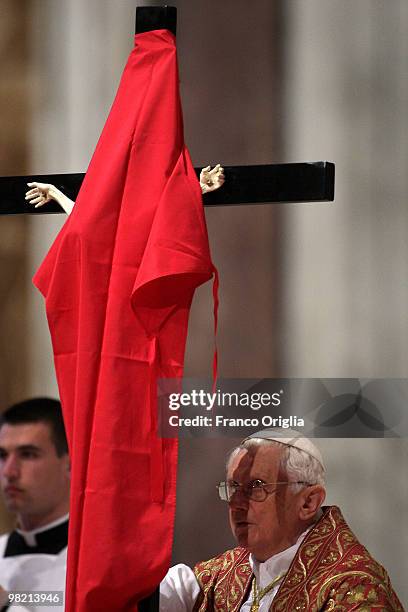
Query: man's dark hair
x,y
39,410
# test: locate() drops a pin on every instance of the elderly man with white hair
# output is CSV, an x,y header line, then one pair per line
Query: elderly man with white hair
x,y
293,554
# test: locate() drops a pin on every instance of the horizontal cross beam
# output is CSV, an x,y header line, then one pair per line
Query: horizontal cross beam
x,y
273,183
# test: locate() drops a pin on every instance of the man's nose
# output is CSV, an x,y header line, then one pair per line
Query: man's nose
x,y
238,500
11,467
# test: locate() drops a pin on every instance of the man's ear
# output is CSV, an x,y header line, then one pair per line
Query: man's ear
x,y
311,499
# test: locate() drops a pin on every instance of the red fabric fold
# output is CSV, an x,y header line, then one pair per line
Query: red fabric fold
x,y
118,283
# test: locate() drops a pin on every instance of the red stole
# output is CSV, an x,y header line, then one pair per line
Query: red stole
x,y
118,283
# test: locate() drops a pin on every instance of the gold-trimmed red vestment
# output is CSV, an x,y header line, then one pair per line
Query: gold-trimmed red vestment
x,y
330,571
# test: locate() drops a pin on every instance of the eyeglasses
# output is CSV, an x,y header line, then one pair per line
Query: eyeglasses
x,y
255,490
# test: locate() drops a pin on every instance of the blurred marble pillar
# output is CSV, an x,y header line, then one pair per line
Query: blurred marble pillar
x,y
231,84
78,50
14,95
347,264
346,293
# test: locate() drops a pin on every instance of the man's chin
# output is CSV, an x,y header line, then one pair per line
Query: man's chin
x,y
12,507
13,503
242,533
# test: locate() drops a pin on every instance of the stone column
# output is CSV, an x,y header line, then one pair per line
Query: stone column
x,y
14,95
346,297
78,50
346,294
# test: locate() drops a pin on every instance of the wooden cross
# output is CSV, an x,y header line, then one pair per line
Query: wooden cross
x,y
271,183
251,184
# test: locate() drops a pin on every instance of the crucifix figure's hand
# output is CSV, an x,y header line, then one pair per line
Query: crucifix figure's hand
x,y
210,180
41,193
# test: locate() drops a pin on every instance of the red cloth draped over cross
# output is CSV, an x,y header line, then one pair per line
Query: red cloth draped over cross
x,y
118,283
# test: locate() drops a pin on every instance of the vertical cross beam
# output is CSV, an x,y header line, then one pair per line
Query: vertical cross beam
x,y
156,18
